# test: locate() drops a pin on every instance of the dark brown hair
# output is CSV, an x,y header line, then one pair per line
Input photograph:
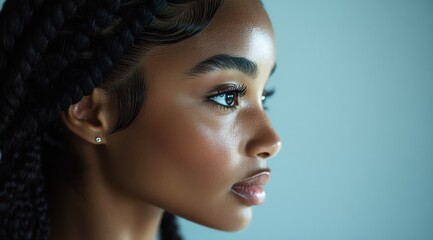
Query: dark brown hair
x,y
52,53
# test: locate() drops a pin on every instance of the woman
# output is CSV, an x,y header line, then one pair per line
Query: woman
x,y
114,112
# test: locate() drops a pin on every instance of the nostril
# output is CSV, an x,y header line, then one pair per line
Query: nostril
x,y
264,155
265,143
270,151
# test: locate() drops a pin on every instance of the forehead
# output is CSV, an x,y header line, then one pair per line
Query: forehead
x,y
239,28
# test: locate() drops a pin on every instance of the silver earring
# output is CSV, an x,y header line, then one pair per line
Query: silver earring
x,y
98,139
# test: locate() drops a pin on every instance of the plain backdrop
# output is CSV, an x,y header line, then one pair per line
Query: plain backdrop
x,y
354,110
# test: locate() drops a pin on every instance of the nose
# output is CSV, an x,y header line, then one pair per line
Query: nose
x,y
264,142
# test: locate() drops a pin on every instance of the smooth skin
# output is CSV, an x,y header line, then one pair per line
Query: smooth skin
x,y
185,150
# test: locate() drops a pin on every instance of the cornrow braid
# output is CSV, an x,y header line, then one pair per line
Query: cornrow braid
x,y
14,18
169,229
23,196
134,19
68,48
75,38
35,48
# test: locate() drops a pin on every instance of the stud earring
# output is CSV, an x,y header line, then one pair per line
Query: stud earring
x,y
98,139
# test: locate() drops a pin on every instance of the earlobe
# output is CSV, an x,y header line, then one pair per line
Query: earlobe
x,y
89,119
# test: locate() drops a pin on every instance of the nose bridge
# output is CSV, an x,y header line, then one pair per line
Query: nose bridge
x,y
263,141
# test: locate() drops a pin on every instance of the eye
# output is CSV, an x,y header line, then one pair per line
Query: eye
x,y
266,95
228,97
225,99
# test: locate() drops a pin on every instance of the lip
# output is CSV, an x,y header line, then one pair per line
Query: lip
x,y
251,189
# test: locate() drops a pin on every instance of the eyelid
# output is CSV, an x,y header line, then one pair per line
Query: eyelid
x,y
227,88
267,93
238,90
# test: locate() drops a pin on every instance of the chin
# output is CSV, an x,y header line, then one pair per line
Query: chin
x,y
234,223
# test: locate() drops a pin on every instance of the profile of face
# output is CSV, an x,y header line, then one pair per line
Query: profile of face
x,y
202,128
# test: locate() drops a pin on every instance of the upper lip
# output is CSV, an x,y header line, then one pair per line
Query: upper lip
x,y
259,177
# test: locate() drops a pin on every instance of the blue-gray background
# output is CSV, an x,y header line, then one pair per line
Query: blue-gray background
x,y
354,109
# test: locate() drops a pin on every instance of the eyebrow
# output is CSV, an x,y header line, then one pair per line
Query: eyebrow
x,y
274,68
225,62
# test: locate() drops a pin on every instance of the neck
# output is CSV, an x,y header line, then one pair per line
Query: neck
x,y
91,209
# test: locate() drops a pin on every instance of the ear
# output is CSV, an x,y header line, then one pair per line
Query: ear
x,y
92,118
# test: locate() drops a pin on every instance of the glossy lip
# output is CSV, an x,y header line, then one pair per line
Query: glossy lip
x,y
251,189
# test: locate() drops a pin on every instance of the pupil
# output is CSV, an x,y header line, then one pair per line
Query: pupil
x,y
229,99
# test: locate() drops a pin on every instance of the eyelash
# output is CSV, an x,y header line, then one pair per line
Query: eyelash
x,y
237,91
267,94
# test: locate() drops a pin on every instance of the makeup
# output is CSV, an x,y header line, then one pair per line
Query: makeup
x,y
251,189
228,96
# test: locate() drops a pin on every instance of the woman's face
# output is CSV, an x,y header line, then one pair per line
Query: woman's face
x,y
203,128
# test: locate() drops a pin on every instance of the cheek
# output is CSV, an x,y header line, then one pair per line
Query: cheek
x,y
195,154
198,162
184,158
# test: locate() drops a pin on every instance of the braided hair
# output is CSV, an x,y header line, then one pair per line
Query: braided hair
x,y
52,53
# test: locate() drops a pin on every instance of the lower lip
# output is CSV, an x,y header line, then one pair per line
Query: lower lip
x,y
251,194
